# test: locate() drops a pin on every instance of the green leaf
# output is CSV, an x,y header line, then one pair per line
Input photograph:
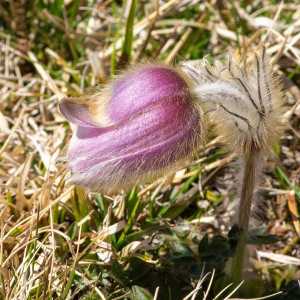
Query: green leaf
x,y
128,273
68,285
130,221
55,215
131,200
203,247
258,236
73,10
113,55
16,232
182,248
235,231
251,288
139,293
80,208
258,231
138,235
286,179
214,197
117,273
186,185
128,41
102,206
72,231
182,190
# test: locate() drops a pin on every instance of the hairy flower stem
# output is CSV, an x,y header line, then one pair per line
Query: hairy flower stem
x,y
250,169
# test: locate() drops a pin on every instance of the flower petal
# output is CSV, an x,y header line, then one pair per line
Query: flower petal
x,y
76,113
143,148
144,87
142,126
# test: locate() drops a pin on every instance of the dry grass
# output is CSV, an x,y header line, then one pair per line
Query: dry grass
x,y
58,243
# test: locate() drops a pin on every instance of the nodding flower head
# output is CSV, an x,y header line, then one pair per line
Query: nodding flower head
x,y
242,99
142,126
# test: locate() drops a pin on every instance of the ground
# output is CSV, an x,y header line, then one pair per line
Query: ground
x,y
171,239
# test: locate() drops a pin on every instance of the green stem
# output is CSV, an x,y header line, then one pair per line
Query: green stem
x,y
244,211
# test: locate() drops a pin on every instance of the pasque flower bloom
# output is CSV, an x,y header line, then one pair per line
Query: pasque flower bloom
x,y
141,126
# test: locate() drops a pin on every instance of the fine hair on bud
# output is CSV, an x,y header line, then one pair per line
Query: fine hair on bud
x,y
242,99
144,124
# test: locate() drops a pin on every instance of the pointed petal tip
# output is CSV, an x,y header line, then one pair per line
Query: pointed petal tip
x,y
77,113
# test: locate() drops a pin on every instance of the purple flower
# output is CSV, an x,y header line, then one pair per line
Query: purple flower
x,y
144,125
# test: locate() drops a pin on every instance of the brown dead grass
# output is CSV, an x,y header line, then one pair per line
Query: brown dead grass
x,y
32,132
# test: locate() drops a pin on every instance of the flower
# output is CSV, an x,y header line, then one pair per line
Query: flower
x,y
242,99
142,126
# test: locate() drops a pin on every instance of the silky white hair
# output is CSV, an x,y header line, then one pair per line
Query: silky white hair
x,y
241,98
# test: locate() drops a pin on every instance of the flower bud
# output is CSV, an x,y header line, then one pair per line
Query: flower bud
x,y
242,99
142,126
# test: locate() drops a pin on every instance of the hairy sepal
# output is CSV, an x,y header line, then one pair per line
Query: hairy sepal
x,y
242,99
